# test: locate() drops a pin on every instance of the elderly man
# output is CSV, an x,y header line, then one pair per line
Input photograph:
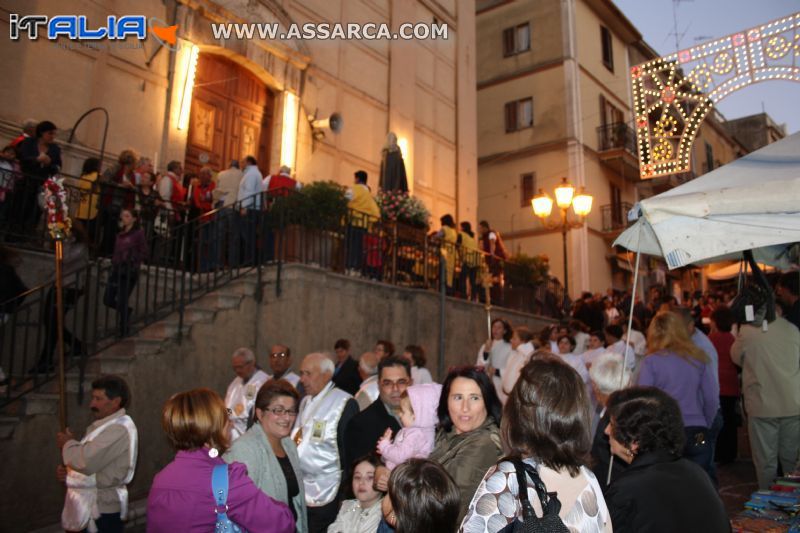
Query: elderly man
x,y
319,433
368,370
241,395
394,377
608,374
98,468
280,361
368,392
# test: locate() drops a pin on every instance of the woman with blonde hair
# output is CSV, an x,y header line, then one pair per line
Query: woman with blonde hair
x,y
679,368
182,498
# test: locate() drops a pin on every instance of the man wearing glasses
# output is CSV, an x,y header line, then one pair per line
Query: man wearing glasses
x,y
241,395
280,361
364,430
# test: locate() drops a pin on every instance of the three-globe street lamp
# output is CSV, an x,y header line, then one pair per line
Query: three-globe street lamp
x,y
581,204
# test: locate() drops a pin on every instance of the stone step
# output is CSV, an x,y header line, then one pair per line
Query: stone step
x,y
222,300
41,403
164,331
193,315
133,346
118,365
7,426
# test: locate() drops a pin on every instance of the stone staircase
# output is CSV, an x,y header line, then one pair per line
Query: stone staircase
x,y
118,357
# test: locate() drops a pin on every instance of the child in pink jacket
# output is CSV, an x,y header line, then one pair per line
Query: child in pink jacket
x,y
417,414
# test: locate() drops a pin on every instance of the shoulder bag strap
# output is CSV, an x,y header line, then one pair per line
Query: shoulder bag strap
x,y
522,484
549,500
219,486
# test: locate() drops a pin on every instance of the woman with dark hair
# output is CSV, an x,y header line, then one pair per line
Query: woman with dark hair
x,y
39,158
267,451
422,497
548,338
566,350
495,352
181,498
659,491
130,250
416,357
363,513
722,339
468,437
546,428
677,366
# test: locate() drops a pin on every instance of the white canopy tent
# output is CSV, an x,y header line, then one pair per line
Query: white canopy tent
x,y
751,203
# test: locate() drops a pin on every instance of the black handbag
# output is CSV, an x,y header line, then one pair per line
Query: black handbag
x,y
549,522
755,301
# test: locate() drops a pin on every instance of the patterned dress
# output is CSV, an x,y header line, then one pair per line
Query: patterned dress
x,y
496,502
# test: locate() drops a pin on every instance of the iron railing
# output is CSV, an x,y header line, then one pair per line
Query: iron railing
x,y
93,205
615,216
615,136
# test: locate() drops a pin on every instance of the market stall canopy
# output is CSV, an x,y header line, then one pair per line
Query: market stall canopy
x,y
732,271
751,203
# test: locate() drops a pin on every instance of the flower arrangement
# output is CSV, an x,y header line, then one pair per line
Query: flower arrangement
x,y
55,201
398,206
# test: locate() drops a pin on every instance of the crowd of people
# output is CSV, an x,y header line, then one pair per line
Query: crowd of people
x,y
601,437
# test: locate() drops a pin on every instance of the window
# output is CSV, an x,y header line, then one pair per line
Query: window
x,y
709,158
608,49
617,214
516,40
527,188
519,114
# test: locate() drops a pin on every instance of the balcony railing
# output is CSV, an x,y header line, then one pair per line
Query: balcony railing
x,y
615,216
618,135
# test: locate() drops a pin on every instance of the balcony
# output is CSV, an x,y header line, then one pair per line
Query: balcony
x,y
615,216
616,144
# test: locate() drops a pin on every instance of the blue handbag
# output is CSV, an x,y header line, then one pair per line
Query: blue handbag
x,y
219,486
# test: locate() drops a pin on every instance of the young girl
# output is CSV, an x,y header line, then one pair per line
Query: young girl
x,y
362,514
417,414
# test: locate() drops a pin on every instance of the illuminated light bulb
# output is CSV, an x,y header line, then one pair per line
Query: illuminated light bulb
x,y
564,193
542,204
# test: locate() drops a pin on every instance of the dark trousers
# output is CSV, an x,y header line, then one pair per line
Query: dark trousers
x,y
248,231
108,523
699,449
121,283
355,247
72,344
319,518
727,441
109,227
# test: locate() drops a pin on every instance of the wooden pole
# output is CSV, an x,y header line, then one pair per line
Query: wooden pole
x,y
62,379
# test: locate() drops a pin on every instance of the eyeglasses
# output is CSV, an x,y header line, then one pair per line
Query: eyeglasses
x,y
399,383
279,354
280,411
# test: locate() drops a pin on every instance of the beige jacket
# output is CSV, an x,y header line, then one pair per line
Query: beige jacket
x,y
107,456
770,364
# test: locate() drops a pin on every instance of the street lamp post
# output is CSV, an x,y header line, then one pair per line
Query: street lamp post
x,y
581,204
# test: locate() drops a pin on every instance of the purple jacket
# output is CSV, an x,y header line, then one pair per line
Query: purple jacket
x,y
130,247
417,440
181,498
691,383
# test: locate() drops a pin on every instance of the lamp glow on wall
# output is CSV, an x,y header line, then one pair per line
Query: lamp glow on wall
x,y
289,134
188,87
402,142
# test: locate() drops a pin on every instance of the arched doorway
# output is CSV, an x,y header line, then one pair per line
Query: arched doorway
x,y
231,116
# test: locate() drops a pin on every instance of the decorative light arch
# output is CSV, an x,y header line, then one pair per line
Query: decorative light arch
x,y
673,94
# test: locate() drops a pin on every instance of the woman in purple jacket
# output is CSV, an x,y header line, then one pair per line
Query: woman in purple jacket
x,y
181,498
675,365
130,250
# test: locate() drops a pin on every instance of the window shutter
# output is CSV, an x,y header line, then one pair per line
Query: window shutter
x,y
508,42
511,116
